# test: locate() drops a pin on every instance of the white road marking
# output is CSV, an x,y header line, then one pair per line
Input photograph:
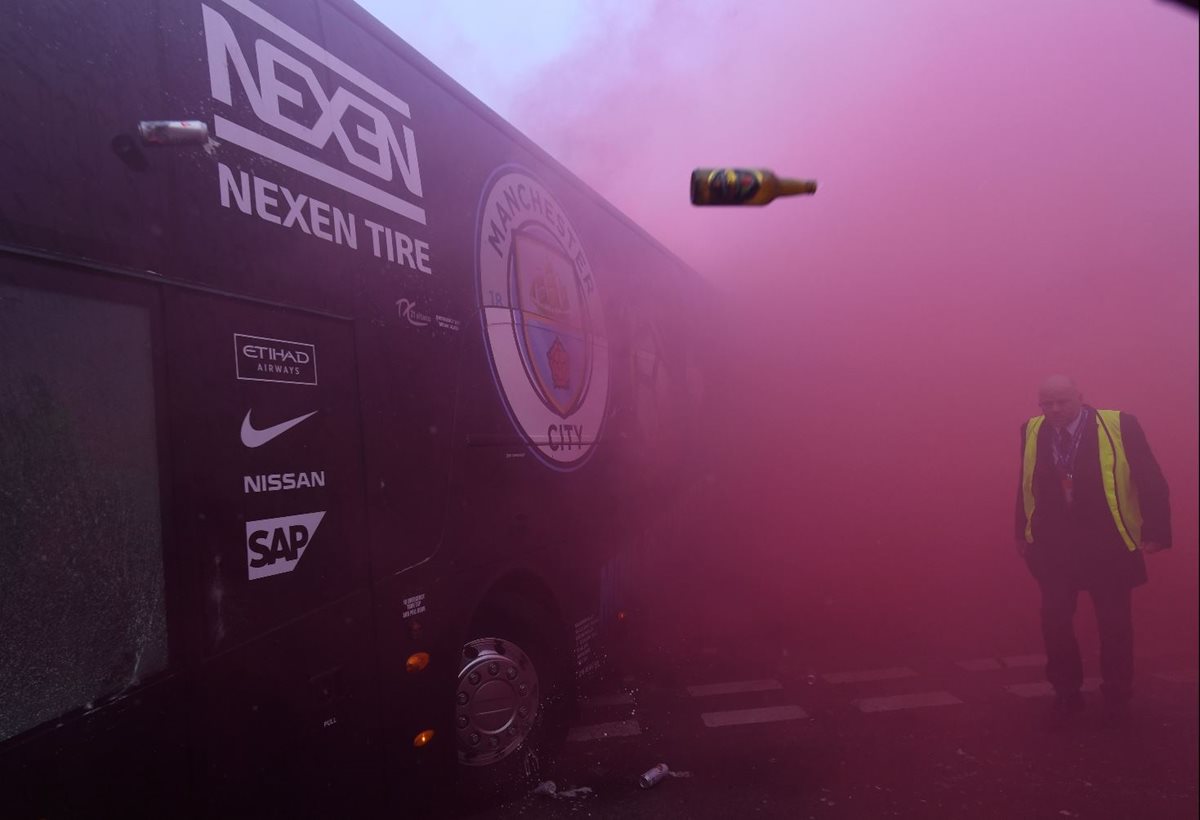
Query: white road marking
x,y
1022,661
980,665
1186,676
1043,689
619,699
733,688
741,717
893,673
600,731
913,701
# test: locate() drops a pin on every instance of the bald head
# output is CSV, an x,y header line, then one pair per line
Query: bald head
x,y
1058,382
1060,400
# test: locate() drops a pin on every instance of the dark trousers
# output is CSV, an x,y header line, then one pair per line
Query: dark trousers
x,y
1114,619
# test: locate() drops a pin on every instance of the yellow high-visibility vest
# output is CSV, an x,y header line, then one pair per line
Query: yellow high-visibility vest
x,y
1119,489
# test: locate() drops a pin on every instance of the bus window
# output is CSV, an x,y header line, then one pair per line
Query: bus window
x,y
82,591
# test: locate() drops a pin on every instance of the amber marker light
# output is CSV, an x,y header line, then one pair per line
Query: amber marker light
x,y
423,739
417,661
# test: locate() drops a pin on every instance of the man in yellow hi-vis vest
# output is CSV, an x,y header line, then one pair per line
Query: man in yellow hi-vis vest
x,y
1091,501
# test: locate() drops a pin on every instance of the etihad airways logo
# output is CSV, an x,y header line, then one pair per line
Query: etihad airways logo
x,y
366,122
262,359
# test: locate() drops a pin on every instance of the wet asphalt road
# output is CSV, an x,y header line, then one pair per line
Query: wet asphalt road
x,y
948,737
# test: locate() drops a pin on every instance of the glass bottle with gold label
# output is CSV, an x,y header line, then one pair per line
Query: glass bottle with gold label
x,y
744,186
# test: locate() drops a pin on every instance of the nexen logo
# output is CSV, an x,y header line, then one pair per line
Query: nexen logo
x,y
274,545
386,156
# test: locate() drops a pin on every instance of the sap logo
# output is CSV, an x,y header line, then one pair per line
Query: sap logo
x,y
273,95
275,545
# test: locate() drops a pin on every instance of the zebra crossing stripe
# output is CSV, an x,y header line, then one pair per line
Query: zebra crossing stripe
x,y
1042,689
918,700
894,673
742,717
733,688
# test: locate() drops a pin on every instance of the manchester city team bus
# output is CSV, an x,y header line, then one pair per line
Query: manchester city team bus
x,y
335,417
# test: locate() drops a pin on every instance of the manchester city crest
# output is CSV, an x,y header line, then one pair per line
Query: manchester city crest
x,y
542,319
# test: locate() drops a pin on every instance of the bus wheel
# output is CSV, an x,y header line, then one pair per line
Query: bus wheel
x,y
509,713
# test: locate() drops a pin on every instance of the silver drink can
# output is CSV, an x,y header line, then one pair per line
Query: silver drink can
x,y
653,776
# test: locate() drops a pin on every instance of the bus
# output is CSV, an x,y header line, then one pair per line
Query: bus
x,y
338,421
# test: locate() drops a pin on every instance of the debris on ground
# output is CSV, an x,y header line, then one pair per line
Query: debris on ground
x,y
652,777
548,788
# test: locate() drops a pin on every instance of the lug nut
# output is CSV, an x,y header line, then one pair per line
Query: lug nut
x,y
463,697
473,678
474,739
463,721
523,689
511,673
493,668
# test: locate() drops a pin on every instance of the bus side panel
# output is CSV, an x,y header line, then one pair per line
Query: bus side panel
x,y
271,510
414,320
291,230
75,79
240,220
294,237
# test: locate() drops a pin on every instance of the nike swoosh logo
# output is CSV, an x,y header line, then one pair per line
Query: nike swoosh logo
x,y
257,438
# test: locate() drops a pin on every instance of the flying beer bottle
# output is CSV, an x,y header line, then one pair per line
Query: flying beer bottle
x,y
744,186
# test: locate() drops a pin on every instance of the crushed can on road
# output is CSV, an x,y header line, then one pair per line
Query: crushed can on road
x,y
654,776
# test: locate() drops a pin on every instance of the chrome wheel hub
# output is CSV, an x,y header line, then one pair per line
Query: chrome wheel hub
x,y
496,702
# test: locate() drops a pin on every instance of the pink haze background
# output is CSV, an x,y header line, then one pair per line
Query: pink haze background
x,y
1008,190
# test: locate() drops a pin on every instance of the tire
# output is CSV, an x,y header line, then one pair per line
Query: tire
x,y
513,702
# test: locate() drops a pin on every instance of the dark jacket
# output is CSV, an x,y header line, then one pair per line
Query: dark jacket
x,y
1079,545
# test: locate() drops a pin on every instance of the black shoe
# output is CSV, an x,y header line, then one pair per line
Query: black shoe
x,y
1063,713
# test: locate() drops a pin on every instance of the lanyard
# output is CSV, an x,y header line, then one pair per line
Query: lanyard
x,y
1064,457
